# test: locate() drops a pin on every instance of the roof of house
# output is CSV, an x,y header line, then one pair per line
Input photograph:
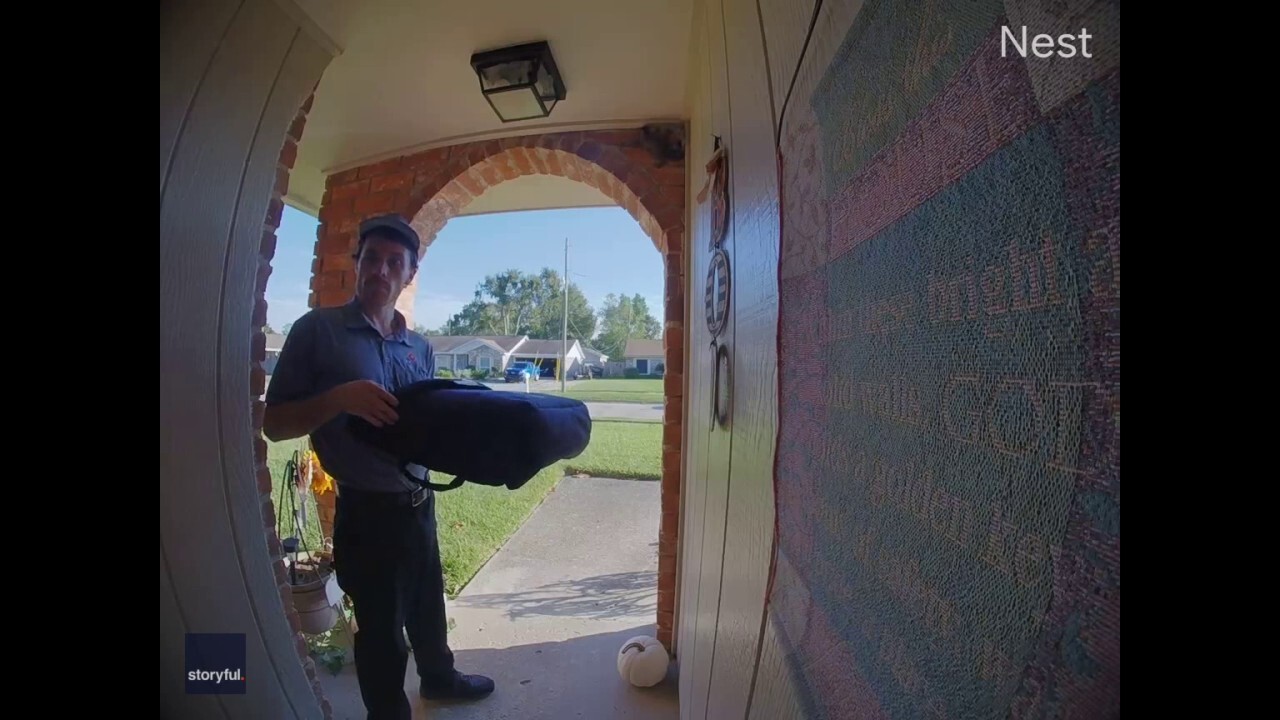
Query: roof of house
x,y
449,343
275,341
543,347
637,347
593,355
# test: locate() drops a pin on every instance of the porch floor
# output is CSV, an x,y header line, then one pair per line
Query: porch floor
x,y
548,613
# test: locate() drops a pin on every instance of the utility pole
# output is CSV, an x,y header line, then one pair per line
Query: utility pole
x,y
565,332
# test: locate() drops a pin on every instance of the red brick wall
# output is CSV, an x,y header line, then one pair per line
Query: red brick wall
x,y
257,385
432,186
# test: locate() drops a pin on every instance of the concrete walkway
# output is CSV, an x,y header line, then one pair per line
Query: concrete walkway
x,y
624,411
547,615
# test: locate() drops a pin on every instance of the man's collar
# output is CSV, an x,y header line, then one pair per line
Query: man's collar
x,y
356,320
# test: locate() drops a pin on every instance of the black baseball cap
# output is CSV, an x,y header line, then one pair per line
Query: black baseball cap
x,y
392,226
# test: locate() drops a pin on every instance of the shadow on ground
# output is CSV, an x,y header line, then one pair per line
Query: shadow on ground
x,y
600,596
574,678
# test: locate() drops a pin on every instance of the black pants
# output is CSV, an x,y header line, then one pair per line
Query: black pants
x,y
387,559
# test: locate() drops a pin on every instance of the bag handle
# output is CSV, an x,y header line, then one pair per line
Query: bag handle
x,y
438,487
441,487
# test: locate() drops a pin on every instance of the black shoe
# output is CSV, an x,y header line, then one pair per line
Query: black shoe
x,y
456,687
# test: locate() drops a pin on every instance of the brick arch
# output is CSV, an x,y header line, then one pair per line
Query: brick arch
x,y
632,189
432,186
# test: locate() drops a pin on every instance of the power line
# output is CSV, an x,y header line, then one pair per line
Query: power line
x,y
578,330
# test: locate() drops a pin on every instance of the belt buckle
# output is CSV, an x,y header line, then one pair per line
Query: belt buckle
x,y
418,496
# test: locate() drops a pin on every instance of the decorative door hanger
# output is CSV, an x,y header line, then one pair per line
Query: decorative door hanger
x,y
718,277
718,284
718,184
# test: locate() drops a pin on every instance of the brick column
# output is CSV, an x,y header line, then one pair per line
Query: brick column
x,y
257,386
672,433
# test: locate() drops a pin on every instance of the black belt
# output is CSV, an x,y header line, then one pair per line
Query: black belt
x,y
410,480
415,494
412,498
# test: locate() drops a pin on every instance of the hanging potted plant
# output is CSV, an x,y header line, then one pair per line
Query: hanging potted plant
x,y
317,598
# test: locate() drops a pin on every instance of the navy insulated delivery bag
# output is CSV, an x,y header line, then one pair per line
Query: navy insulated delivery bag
x,y
478,434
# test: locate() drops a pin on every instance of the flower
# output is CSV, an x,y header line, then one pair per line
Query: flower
x,y
321,481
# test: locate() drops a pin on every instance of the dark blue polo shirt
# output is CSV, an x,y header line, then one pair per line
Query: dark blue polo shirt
x,y
330,346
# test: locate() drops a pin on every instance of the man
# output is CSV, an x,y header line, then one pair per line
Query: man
x,y
345,361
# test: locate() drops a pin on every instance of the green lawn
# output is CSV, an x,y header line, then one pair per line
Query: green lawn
x,y
474,521
648,392
621,450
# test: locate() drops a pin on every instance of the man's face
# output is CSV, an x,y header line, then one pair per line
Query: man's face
x,y
383,270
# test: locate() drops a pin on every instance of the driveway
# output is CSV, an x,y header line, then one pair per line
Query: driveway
x,y
599,410
641,412
540,385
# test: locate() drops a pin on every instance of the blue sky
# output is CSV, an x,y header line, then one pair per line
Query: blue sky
x,y
608,253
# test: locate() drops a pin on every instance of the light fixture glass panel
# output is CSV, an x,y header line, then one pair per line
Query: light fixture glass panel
x,y
507,74
516,104
546,84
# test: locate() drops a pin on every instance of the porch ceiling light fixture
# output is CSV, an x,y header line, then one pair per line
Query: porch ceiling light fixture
x,y
520,82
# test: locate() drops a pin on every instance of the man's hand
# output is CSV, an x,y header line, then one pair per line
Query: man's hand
x,y
363,398
368,400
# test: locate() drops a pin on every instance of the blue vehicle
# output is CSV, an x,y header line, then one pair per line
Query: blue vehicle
x,y
517,371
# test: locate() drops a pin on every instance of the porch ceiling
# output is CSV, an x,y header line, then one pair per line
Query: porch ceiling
x,y
403,81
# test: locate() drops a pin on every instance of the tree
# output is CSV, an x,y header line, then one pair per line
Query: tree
x,y
450,327
517,303
623,318
287,327
548,317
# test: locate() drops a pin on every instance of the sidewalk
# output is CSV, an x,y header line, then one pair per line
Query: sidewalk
x,y
624,411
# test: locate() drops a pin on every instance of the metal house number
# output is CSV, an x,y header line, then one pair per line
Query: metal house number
x,y
717,296
722,394
717,309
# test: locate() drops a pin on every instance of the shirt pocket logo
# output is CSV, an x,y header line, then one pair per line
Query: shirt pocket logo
x,y
407,369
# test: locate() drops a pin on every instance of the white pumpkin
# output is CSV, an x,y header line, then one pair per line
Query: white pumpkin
x,y
643,661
